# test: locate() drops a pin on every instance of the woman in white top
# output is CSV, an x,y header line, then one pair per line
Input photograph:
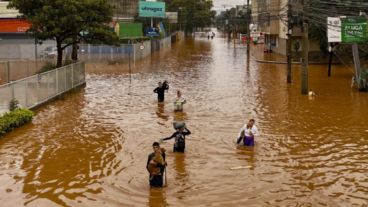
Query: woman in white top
x,y
179,102
247,133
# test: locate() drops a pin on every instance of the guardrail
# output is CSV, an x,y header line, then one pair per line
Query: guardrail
x,y
38,89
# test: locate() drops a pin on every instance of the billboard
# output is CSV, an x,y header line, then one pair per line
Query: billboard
x,y
14,26
152,9
129,30
334,29
172,17
354,29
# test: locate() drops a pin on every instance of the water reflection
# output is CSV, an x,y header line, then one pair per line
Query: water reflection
x,y
161,111
181,175
180,116
157,197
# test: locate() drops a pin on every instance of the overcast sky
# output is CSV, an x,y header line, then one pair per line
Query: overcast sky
x,y
219,4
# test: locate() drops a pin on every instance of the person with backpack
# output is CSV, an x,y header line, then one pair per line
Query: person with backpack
x,y
179,135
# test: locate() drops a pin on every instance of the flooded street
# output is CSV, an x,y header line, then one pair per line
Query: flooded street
x,y
91,147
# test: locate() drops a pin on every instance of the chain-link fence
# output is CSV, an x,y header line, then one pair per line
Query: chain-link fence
x,y
136,51
17,69
37,89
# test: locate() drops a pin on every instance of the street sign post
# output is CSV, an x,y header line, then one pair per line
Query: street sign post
x,y
334,29
354,29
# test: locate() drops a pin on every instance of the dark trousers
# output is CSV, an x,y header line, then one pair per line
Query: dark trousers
x,y
156,181
179,149
161,98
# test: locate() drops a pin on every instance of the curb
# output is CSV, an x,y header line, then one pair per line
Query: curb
x,y
295,63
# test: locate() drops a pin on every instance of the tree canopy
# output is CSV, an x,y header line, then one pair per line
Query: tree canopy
x,y
192,13
68,21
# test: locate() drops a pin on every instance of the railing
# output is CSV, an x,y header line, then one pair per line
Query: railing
x,y
37,89
135,51
13,70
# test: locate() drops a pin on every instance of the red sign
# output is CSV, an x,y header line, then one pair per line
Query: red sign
x,y
14,26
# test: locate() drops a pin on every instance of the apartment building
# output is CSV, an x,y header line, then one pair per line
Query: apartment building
x,y
125,10
271,17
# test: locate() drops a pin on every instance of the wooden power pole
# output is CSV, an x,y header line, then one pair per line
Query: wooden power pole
x,y
288,52
248,29
305,59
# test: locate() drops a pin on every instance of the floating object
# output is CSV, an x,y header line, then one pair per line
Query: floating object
x,y
178,125
240,167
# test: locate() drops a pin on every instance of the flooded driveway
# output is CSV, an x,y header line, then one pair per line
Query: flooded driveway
x,y
91,147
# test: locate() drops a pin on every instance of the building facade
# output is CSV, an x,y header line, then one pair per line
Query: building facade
x,y
125,10
271,18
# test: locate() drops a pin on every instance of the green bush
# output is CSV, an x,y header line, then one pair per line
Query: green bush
x,y
14,119
14,104
47,67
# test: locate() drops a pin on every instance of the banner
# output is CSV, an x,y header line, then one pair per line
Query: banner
x,y
129,30
152,9
354,29
334,29
172,17
14,26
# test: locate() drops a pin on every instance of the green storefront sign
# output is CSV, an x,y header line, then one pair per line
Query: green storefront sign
x,y
152,9
129,30
354,29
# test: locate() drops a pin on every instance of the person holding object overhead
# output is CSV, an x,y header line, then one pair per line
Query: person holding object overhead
x,y
247,133
179,135
179,102
160,90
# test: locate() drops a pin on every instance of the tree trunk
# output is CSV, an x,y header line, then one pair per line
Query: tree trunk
x,y
60,54
75,52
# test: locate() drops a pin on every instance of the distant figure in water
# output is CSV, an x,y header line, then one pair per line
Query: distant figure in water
x,y
179,102
353,81
160,90
247,133
311,94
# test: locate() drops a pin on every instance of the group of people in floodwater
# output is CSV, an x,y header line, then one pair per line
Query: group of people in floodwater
x,y
156,162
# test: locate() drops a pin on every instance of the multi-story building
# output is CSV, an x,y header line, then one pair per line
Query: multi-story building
x,y
125,10
271,18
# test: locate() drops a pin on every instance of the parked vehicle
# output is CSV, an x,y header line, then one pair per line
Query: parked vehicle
x,y
49,52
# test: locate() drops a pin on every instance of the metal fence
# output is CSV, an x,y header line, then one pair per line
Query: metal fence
x,y
17,69
37,89
136,51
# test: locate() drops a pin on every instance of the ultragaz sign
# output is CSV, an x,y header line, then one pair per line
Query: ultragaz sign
x,y
152,9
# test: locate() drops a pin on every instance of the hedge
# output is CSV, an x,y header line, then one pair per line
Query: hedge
x,y
14,119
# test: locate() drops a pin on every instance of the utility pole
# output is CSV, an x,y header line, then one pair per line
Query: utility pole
x,y
355,50
289,35
305,59
248,29
330,52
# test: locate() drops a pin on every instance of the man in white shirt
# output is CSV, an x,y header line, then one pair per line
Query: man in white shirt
x,y
179,102
247,133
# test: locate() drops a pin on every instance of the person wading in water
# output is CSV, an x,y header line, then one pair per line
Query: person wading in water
x,y
156,165
160,90
179,135
247,133
179,102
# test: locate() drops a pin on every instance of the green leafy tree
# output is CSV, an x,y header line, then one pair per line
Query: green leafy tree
x,y
192,13
68,21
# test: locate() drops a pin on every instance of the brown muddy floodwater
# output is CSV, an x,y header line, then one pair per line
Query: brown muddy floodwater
x,y
90,148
